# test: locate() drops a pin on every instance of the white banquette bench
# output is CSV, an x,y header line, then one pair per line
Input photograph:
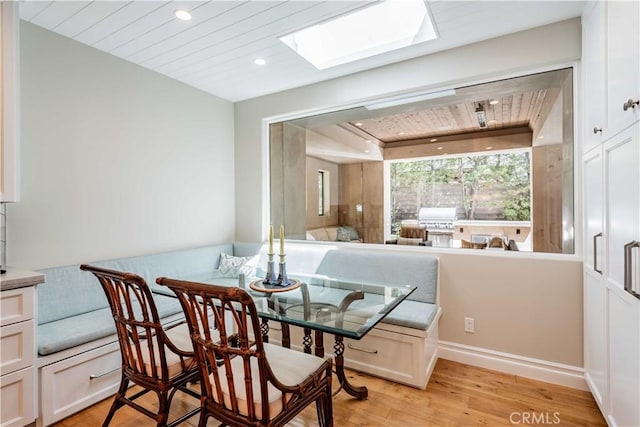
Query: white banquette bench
x,y
78,354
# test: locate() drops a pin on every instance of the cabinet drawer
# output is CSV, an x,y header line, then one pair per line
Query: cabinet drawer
x,y
16,305
73,384
17,403
17,346
388,355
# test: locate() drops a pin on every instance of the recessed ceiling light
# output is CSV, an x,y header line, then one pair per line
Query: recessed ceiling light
x,y
183,15
433,139
541,137
366,151
368,141
439,148
400,133
494,102
489,148
358,124
492,122
259,61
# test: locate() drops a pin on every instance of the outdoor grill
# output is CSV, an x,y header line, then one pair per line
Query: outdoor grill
x,y
439,223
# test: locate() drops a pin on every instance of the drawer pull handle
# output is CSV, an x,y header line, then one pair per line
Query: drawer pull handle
x,y
364,350
96,376
596,130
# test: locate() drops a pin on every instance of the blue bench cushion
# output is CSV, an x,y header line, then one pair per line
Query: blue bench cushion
x,y
176,264
76,330
69,291
412,314
388,268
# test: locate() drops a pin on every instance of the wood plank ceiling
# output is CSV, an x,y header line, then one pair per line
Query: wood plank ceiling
x,y
215,50
508,111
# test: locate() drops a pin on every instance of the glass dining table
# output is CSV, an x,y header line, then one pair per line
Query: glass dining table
x,y
321,304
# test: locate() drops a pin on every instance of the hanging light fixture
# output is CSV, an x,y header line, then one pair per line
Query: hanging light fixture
x,y
481,116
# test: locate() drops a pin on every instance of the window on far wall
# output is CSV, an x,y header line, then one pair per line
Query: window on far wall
x,y
481,187
323,192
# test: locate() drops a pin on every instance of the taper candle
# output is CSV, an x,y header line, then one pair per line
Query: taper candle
x,y
270,239
281,239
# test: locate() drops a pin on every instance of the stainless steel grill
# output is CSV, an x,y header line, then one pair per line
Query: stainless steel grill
x,y
437,220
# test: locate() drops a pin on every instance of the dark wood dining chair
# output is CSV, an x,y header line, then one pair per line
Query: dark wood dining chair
x,y
247,381
156,359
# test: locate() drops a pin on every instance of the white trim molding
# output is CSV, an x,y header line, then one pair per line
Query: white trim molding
x,y
542,370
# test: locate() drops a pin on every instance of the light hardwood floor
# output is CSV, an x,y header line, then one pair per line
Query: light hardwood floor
x,y
457,395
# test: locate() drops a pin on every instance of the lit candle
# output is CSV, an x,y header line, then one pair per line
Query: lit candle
x,y
281,239
271,239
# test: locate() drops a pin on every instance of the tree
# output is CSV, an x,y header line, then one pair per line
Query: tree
x,y
477,185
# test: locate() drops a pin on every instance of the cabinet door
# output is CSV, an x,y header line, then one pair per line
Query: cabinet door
x,y
595,337
595,81
622,192
624,357
593,211
623,63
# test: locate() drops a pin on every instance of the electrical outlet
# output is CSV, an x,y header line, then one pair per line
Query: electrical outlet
x,y
469,325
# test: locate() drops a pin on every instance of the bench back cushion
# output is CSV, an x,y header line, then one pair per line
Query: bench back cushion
x,y
386,268
68,291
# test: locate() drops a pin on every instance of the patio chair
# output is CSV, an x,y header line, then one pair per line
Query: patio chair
x,y
247,381
158,360
473,245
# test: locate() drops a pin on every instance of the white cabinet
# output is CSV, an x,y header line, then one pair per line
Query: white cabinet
x,y
595,340
17,355
611,66
623,63
622,227
9,102
612,275
624,359
622,193
611,167
594,45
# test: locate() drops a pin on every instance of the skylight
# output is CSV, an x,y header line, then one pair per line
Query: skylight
x,y
383,27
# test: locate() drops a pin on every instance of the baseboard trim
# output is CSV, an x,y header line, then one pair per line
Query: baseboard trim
x,y
542,370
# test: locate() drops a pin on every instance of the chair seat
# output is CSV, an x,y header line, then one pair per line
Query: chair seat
x,y
179,336
289,366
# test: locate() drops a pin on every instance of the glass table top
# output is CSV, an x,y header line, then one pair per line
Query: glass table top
x,y
348,309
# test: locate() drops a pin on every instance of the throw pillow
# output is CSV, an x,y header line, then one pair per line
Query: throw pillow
x,y
233,266
353,233
343,235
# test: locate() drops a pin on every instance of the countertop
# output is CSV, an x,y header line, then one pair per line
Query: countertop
x,y
15,278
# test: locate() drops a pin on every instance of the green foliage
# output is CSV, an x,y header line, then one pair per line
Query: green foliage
x,y
494,186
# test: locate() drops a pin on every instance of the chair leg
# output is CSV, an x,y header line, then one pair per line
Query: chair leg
x,y
203,419
163,409
324,408
117,401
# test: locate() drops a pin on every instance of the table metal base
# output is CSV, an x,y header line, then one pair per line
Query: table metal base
x,y
360,393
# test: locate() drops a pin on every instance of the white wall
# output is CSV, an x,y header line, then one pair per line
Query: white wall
x,y
499,294
116,160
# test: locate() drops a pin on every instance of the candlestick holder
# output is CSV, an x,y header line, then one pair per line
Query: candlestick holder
x,y
270,277
283,280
